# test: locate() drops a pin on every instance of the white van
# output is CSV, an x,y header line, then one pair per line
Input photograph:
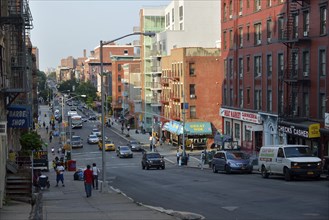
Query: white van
x,y
288,160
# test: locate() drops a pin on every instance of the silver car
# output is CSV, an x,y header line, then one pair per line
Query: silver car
x,y
135,145
93,139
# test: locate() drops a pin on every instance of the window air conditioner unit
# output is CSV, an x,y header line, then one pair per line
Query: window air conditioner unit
x,y
268,40
259,42
231,16
192,96
305,73
259,7
240,13
305,33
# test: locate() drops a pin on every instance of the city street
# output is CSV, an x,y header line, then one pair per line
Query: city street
x,y
214,196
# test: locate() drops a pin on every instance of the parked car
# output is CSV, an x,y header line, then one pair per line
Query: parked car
x,y
93,139
109,145
124,151
96,132
134,145
231,161
152,160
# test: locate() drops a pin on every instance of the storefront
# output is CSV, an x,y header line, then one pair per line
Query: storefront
x,y
305,132
196,133
244,127
324,139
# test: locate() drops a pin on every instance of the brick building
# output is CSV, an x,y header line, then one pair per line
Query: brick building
x,y
276,72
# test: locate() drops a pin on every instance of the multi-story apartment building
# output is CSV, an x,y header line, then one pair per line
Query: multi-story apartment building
x,y
17,80
276,72
190,77
151,19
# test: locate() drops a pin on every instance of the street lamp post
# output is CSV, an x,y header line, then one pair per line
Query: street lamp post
x,y
101,44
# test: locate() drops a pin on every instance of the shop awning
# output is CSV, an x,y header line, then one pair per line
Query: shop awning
x,y
191,128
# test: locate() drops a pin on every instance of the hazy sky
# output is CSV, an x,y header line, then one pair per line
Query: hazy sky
x,y
64,28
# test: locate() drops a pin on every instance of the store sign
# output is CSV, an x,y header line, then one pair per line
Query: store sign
x,y
313,130
19,117
241,115
252,127
326,120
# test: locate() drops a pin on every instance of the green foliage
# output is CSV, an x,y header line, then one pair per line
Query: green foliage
x,y
88,89
31,141
68,85
42,86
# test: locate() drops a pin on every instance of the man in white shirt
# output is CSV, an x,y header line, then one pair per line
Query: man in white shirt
x,y
96,171
60,173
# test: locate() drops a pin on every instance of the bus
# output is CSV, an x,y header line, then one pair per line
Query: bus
x,y
76,121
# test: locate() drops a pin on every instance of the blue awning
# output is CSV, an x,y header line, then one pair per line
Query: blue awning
x,y
191,128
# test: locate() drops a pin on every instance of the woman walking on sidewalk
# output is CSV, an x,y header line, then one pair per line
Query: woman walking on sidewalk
x,y
88,178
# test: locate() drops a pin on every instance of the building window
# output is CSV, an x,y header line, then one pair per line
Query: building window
x,y
258,100
280,103
306,63
248,96
192,111
119,78
225,97
181,13
225,69
227,128
231,97
225,11
192,90
119,67
125,52
241,67
119,88
231,39
258,34
322,105
240,7
269,30
306,23
257,5
248,64
181,27
224,40
281,28
230,68
280,65
236,131
248,33
322,62
241,98
240,37
269,64
323,20
247,134
248,3
231,10
258,66
295,26
192,69
269,3
269,101
306,99
294,70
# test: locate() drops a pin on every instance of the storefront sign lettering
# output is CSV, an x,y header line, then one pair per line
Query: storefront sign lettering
x,y
240,115
313,131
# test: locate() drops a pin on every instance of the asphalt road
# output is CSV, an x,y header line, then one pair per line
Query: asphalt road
x,y
215,196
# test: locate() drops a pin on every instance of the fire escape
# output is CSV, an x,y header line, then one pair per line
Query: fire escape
x,y
16,23
295,79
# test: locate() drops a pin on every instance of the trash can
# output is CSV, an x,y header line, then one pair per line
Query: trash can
x,y
184,160
71,165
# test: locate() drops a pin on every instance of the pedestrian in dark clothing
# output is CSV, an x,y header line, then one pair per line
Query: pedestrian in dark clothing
x,y
44,124
50,137
47,129
88,179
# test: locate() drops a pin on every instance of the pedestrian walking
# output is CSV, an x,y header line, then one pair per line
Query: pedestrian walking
x,y
178,156
88,180
96,171
60,174
50,137
47,129
44,124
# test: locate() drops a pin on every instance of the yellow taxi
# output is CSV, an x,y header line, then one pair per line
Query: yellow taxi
x,y
109,145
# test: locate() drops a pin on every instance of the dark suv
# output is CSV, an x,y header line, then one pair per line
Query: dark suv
x,y
152,160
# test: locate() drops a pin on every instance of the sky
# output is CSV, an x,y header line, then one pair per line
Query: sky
x,y
63,28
